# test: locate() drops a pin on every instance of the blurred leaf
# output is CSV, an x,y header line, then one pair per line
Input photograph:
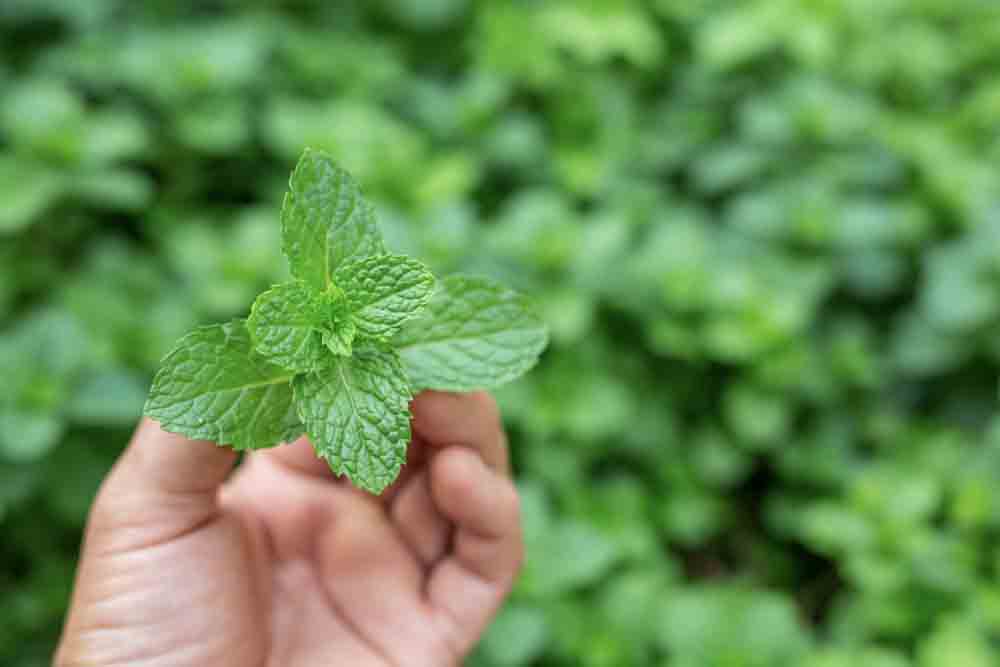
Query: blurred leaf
x,y
731,627
27,437
517,636
26,189
112,397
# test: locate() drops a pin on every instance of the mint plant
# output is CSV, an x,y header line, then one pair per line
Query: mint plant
x,y
339,352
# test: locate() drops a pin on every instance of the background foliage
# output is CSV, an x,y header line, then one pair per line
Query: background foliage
x,y
765,234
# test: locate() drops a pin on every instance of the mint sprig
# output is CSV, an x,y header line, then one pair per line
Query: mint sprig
x,y
339,352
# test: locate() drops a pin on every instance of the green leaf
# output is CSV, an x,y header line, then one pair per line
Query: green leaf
x,y
384,291
284,326
212,386
325,222
518,636
108,397
474,334
339,339
356,412
27,189
28,436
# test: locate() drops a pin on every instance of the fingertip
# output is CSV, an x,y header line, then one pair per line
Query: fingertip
x,y
161,481
457,474
442,419
438,411
299,456
173,462
472,495
487,544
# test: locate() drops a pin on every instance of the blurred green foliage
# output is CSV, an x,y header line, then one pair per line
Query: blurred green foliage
x,y
766,235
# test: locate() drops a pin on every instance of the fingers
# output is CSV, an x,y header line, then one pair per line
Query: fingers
x,y
169,464
300,457
295,509
423,528
439,419
485,510
373,581
468,586
163,485
471,420
368,576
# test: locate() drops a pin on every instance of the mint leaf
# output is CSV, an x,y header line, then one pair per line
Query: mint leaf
x,y
474,334
325,222
356,412
339,339
284,325
212,386
384,291
318,354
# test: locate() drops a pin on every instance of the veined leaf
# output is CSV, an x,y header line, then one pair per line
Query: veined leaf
x,y
384,291
285,324
474,334
325,222
212,386
356,412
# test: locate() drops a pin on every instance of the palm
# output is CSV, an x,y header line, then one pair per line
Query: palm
x,y
296,568
349,581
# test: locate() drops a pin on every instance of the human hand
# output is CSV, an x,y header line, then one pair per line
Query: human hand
x,y
285,565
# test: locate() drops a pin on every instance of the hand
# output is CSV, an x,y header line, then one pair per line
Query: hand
x,y
285,565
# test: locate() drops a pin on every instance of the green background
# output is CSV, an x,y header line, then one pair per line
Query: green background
x,y
766,236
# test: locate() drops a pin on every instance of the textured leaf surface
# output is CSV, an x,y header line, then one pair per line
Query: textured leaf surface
x,y
339,339
356,412
474,334
325,222
384,291
211,386
284,326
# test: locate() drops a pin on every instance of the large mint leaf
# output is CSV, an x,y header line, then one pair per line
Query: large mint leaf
x,y
325,222
285,324
212,386
356,412
473,334
383,291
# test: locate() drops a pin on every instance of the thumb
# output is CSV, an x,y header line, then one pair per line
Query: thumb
x,y
164,485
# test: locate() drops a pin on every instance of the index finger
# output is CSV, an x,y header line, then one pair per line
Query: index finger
x,y
162,485
471,420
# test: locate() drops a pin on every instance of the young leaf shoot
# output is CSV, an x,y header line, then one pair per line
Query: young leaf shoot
x,y
339,352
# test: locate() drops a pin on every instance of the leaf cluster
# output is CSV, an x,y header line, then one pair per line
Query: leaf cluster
x,y
338,352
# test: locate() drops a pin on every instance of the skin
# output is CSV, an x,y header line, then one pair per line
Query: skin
x,y
282,564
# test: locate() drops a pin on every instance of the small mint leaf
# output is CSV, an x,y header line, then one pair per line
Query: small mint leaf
x,y
340,330
212,386
325,222
284,325
356,412
473,334
340,340
383,291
